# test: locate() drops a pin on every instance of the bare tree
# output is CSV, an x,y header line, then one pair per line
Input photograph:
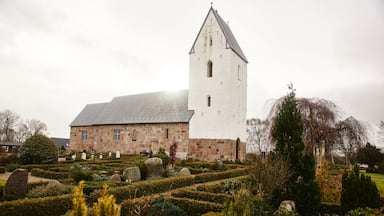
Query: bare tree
x,y
323,128
8,122
36,127
257,135
380,133
21,132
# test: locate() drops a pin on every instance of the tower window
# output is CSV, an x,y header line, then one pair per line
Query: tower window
x,y
238,72
209,101
210,41
166,133
84,135
117,135
209,69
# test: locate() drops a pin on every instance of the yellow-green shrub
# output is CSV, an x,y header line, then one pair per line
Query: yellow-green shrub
x,y
78,201
106,204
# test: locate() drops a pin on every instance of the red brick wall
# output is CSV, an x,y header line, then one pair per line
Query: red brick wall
x,y
148,137
216,149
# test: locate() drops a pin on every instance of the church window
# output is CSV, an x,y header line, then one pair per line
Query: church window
x,y
209,69
209,101
238,72
84,135
210,41
134,133
117,135
166,133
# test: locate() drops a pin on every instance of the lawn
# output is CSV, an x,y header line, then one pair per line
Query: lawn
x,y
379,180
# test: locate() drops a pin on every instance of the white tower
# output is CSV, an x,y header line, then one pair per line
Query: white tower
x,y
217,83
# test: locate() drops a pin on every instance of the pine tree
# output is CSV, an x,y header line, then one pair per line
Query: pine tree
x,y
106,204
287,132
79,204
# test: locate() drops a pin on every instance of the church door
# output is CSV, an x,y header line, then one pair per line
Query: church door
x,y
237,148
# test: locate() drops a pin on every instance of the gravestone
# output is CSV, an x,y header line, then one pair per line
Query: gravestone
x,y
117,154
17,183
287,206
74,157
101,156
115,177
132,174
83,156
155,167
184,171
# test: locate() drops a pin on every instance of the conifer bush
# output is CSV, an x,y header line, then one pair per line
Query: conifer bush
x,y
358,190
106,204
79,203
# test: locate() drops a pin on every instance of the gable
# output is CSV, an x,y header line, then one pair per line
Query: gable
x,y
157,107
230,38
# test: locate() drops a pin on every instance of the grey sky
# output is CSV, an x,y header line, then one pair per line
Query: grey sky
x,y
57,56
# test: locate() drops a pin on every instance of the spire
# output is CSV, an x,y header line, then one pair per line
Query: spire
x,y
231,40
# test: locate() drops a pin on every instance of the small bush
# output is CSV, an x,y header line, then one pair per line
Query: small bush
x,y
138,206
38,149
77,173
365,211
106,204
143,171
163,156
11,167
162,206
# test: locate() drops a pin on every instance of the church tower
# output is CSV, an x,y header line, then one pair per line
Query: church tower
x,y
217,91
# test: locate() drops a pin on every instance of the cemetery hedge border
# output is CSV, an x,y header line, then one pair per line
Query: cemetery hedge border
x,y
48,174
201,195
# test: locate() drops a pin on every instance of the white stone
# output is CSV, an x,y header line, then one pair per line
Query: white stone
x,y
73,157
83,156
61,159
118,154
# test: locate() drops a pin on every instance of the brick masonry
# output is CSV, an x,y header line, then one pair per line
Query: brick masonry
x,y
136,138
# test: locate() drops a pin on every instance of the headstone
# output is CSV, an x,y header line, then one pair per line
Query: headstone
x,y
117,154
184,171
132,174
17,183
101,156
219,163
287,206
54,183
155,167
61,159
74,157
115,178
83,156
110,154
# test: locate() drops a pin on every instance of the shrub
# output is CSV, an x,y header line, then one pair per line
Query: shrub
x,y
358,191
78,201
195,207
51,190
143,171
162,206
77,173
213,176
240,204
163,156
57,206
106,204
364,211
48,174
138,206
2,169
38,149
329,209
11,167
201,195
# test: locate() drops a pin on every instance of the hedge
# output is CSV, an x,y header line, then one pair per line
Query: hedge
x,y
2,169
329,209
140,206
213,176
201,195
48,174
194,207
48,206
217,187
145,188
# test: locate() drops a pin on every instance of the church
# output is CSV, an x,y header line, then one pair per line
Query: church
x,y
207,121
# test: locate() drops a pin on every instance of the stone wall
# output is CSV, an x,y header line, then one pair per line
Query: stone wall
x,y
216,149
134,138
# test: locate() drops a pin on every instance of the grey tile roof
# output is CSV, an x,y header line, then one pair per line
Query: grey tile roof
x,y
231,40
157,107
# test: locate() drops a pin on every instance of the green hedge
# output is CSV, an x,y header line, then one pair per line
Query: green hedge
x,y
201,195
329,209
48,206
194,207
48,174
213,176
2,169
145,188
138,206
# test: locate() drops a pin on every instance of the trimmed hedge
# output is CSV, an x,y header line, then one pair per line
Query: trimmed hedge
x,y
2,169
213,176
203,196
48,206
141,206
48,174
194,207
145,188
217,187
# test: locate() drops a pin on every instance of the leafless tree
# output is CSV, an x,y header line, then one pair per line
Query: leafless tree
x,y
257,135
36,127
8,123
380,133
323,127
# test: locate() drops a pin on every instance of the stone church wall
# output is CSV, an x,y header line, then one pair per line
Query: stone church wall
x,y
216,149
134,138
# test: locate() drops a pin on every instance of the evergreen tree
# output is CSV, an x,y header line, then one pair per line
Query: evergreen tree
x,y
287,132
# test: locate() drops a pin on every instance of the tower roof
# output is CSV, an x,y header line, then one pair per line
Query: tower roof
x,y
230,38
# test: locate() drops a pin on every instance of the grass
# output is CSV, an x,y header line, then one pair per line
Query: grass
x,y
379,180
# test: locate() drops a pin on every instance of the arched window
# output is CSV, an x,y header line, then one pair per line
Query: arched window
x,y
238,72
209,69
210,41
209,101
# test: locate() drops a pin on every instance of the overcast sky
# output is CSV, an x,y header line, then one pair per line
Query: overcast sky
x,y
57,56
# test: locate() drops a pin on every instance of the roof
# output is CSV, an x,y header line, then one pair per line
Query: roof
x,y
10,144
231,40
157,107
61,142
